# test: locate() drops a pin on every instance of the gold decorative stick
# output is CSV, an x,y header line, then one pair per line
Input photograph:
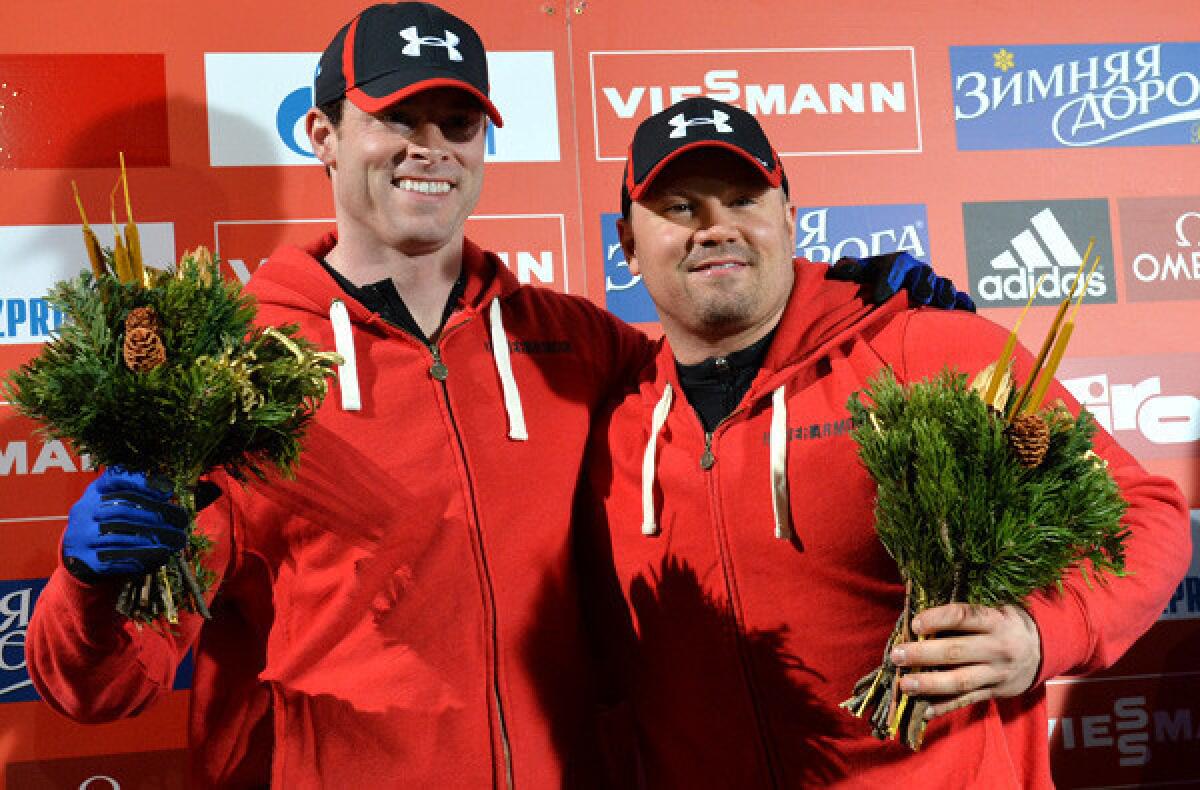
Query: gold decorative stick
x,y
133,240
1009,347
1052,332
1060,347
94,251
120,254
168,596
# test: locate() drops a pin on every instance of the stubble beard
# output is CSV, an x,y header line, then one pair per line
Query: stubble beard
x,y
720,313
720,306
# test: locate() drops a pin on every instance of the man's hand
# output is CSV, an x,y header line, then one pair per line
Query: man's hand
x,y
883,276
991,653
121,526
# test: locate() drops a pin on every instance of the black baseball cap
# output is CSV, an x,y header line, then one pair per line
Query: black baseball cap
x,y
392,51
697,122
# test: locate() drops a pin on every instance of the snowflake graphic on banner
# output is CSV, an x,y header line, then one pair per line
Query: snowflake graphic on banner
x,y
1004,60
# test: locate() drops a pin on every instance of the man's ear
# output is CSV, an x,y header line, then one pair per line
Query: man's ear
x,y
322,134
625,233
790,208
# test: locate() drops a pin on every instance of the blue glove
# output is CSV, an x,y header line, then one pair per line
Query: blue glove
x,y
883,276
122,526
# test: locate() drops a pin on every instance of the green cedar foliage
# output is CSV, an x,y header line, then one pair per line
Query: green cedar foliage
x,y
961,517
230,394
965,521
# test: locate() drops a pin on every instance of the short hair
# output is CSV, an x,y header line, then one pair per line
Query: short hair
x,y
333,110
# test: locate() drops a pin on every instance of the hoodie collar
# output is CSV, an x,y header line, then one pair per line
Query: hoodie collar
x,y
819,315
295,278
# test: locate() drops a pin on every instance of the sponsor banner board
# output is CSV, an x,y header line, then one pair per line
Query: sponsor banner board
x,y
1150,404
850,100
1012,244
260,121
35,257
1131,731
1160,248
1076,95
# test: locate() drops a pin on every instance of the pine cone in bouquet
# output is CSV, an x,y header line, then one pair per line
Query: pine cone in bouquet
x,y
1029,439
143,350
976,510
143,318
983,497
164,372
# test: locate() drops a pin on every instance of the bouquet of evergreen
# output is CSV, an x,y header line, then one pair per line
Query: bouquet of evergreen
x,y
163,372
983,497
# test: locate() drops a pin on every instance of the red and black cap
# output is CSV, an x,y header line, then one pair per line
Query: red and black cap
x,y
697,122
395,50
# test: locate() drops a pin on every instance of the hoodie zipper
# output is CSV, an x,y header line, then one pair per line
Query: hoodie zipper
x,y
708,460
439,372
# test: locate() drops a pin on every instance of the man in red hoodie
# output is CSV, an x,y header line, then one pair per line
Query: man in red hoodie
x,y
405,611
751,591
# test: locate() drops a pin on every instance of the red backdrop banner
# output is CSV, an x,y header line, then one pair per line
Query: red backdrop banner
x,y
992,138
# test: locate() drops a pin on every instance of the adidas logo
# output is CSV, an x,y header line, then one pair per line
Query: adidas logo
x,y
1043,248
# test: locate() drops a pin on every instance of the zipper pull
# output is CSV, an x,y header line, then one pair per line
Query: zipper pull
x,y
438,369
708,459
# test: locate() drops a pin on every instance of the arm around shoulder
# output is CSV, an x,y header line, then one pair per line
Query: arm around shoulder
x,y
619,350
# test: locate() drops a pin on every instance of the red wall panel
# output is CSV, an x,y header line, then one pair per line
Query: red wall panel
x,y
860,99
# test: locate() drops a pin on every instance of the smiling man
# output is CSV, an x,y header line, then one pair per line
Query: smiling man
x,y
748,590
405,612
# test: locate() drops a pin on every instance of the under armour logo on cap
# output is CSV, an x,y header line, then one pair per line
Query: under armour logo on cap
x,y
416,41
698,123
385,55
680,124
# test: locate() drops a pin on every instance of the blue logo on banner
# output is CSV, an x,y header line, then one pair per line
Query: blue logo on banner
x,y
624,295
826,233
35,317
1073,96
287,120
17,598
16,605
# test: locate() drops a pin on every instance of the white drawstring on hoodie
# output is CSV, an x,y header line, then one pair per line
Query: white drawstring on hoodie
x,y
661,409
512,396
778,456
343,340
778,449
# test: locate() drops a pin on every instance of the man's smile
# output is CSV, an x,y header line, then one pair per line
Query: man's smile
x,y
423,186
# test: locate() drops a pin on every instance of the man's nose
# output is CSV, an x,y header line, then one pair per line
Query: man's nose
x,y
426,142
716,225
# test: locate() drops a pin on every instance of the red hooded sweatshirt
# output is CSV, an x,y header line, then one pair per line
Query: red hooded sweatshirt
x,y
759,592
404,613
